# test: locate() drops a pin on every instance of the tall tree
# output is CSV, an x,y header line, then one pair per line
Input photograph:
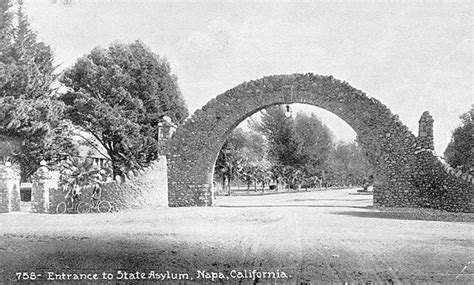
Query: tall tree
x,y
6,41
298,147
315,145
460,151
120,95
6,24
27,109
39,125
280,133
243,156
230,160
348,165
27,62
256,166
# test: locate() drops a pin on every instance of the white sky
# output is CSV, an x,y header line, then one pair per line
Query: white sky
x,y
411,56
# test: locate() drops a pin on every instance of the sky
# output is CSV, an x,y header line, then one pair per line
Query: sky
x,y
411,56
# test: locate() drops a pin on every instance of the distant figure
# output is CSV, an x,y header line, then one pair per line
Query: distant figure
x,y
365,183
96,194
73,196
370,182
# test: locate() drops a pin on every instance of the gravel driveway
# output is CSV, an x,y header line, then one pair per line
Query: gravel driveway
x,y
320,236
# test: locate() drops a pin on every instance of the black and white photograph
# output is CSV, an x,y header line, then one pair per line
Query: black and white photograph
x,y
236,142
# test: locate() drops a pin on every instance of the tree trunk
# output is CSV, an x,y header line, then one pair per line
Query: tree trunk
x,y
223,183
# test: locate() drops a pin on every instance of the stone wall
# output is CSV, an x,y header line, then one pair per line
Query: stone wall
x,y
147,187
441,186
404,176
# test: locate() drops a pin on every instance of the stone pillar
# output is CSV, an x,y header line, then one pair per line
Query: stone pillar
x,y
425,131
9,190
163,182
43,184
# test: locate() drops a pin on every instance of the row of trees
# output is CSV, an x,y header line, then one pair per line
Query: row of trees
x,y
118,95
296,151
301,151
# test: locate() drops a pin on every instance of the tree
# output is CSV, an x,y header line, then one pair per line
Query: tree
x,y
26,64
27,109
298,147
230,159
6,25
82,173
315,145
255,166
460,151
243,156
348,165
280,133
38,124
120,95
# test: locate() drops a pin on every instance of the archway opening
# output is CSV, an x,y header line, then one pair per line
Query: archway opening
x,y
391,148
292,149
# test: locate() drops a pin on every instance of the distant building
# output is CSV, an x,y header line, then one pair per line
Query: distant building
x,y
86,145
87,152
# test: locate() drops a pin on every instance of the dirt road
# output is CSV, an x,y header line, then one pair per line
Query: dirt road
x,y
325,236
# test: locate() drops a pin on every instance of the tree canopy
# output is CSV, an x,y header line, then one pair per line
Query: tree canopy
x,y
243,156
297,150
460,151
120,95
299,147
27,109
347,165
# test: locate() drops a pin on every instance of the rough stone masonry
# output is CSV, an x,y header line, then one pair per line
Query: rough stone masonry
x,y
408,174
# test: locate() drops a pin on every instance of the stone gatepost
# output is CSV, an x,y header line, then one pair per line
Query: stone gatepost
x,y
9,190
425,131
44,181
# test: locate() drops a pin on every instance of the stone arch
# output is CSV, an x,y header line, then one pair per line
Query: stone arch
x,y
389,145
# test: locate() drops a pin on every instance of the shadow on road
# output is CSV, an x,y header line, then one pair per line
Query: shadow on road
x,y
345,200
412,214
286,206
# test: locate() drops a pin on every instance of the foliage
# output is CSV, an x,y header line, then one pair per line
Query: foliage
x,y
347,165
26,65
280,133
6,24
299,147
243,156
460,151
27,110
81,173
256,165
315,144
120,95
297,151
